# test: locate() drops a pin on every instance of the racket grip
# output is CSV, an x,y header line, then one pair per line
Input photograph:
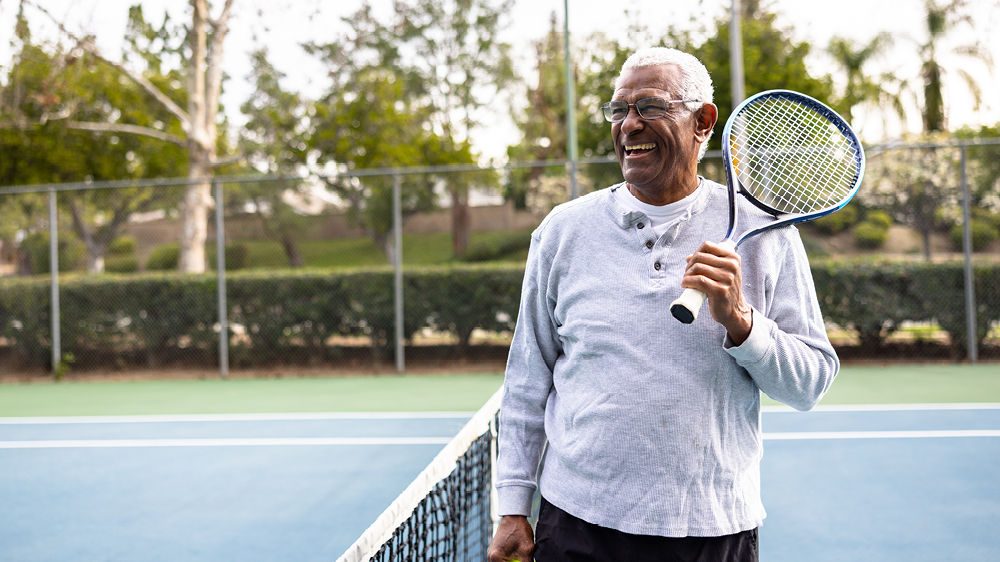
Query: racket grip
x,y
686,307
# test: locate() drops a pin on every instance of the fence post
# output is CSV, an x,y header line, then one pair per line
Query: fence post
x,y
397,232
54,271
970,274
220,267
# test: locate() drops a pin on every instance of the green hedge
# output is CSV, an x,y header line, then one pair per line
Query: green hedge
x,y
318,315
874,298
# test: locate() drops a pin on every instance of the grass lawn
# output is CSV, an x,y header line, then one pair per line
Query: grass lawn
x,y
418,249
854,385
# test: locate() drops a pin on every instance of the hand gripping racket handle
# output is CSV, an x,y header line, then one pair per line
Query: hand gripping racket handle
x,y
686,307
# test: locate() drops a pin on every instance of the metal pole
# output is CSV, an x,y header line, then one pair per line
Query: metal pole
x,y
54,271
736,55
970,274
570,111
397,228
220,266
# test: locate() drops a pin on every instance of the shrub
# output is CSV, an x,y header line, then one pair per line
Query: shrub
x,y
123,246
164,258
498,245
879,218
869,235
237,256
292,316
837,222
36,245
121,264
983,234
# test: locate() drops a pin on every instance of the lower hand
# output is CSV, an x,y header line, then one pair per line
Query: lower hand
x,y
716,271
514,541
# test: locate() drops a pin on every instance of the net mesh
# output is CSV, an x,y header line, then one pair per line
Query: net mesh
x,y
446,514
452,523
791,157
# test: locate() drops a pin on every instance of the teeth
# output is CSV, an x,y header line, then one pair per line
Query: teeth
x,y
647,146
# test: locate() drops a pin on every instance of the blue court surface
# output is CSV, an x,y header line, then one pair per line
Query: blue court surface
x,y
839,483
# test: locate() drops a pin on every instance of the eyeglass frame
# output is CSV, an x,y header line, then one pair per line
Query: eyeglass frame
x,y
635,105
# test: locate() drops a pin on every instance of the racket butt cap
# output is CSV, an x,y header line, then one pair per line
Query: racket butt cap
x,y
681,313
686,307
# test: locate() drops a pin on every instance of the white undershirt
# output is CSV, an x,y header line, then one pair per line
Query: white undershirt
x,y
660,216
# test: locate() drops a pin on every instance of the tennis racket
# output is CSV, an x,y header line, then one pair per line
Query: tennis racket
x,y
789,155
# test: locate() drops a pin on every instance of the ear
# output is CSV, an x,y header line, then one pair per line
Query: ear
x,y
705,119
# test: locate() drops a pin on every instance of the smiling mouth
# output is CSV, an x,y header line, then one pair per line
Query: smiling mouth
x,y
639,148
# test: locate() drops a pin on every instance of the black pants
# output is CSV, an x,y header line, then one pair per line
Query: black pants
x,y
560,537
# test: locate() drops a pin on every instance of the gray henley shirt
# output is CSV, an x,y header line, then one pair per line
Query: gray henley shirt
x,y
650,426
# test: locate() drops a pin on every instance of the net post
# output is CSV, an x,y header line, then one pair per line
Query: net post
x,y
970,274
220,267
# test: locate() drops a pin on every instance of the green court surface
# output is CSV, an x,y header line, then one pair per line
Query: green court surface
x,y
898,384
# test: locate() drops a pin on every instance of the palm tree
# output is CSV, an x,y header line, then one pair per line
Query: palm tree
x,y
940,20
862,89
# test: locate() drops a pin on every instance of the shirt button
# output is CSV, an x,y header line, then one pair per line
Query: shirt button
x,y
649,243
656,266
640,225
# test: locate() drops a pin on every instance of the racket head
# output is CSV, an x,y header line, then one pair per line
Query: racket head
x,y
792,156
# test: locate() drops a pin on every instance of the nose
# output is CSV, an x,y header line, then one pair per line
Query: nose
x,y
632,122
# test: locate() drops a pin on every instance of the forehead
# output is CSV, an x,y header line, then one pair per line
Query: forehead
x,y
659,80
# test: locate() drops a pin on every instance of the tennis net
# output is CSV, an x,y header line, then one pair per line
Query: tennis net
x,y
447,514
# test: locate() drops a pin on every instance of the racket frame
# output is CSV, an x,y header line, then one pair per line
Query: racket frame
x,y
687,306
782,219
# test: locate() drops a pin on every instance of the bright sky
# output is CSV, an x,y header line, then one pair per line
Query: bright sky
x,y
283,25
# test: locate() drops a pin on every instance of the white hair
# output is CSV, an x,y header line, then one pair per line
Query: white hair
x,y
695,83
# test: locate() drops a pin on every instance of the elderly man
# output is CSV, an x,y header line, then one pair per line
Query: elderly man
x,y
649,428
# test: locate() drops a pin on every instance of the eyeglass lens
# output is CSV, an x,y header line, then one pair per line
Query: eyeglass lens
x,y
648,108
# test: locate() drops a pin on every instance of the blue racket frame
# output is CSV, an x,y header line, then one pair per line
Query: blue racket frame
x,y
735,185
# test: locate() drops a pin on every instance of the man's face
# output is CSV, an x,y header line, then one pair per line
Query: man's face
x,y
659,157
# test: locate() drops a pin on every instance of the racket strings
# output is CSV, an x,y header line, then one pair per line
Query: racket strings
x,y
792,158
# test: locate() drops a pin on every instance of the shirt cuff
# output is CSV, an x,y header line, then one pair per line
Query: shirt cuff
x,y
757,344
514,500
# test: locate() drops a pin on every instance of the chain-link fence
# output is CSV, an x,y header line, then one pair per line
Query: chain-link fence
x,y
313,271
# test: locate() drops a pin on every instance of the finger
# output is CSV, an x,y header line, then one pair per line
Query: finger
x,y
716,249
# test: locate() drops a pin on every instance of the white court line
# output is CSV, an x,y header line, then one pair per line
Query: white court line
x,y
885,407
313,441
173,418
881,434
233,442
234,417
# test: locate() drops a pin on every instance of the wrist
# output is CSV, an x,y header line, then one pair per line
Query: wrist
x,y
739,329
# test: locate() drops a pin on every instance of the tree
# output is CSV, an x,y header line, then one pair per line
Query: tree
x,y
543,121
274,140
368,121
462,65
50,116
451,64
202,70
914,186
861,89
941,20
772,59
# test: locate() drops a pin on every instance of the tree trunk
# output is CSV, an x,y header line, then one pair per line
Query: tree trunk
x,y
460,222
292,251
194,224
204,88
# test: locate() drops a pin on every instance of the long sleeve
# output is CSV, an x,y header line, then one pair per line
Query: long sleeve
x,y
534,350
787,354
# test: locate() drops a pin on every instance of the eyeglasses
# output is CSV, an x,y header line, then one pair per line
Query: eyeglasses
x,y
648,108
